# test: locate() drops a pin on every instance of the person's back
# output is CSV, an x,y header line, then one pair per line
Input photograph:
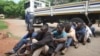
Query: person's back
x,y
88,31
92,29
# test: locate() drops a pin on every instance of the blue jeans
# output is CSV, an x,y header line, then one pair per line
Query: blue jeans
x,y
68,42
21,42
93,31
81,36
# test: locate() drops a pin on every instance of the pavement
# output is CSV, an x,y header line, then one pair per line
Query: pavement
x,y
18,28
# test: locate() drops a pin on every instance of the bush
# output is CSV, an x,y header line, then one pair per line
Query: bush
x,y
3,25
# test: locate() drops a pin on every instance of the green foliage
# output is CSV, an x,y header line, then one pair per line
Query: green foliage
x,y
3,25
11,9
21,9
2,4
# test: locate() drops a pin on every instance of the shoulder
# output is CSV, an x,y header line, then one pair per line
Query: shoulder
x,y
34,33
54,32
64,33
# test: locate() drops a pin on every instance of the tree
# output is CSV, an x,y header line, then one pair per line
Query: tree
x,y
2,4
21,9
10,9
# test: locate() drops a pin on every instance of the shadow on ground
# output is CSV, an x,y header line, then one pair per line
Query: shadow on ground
x,y
39,26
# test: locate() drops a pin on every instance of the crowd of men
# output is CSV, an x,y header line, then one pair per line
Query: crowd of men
x,y
47,42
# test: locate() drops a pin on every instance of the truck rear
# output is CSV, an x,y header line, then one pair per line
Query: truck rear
x,y
83,11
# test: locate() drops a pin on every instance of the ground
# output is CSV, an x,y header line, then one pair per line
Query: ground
x,y
18,28
6,45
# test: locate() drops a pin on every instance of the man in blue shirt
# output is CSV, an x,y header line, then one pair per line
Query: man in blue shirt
x,y
80,32
60,37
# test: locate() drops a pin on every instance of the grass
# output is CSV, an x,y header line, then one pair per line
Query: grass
x,y
3,25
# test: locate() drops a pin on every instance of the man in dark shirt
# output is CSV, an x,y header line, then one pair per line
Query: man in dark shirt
x,y
43,38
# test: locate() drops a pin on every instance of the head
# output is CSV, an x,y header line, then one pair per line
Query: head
x,y
60,28
90,24
44,28
79,25
67,27
74,23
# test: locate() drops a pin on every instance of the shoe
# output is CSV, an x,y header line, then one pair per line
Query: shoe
x,y
10,52
84,43
64,51
88,40
76,45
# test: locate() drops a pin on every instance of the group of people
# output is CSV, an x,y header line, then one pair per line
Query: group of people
x,y
49,42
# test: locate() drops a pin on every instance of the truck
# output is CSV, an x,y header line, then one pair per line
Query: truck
x,y
87,11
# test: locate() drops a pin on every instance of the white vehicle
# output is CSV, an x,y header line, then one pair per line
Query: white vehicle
x,y
87,11
32,5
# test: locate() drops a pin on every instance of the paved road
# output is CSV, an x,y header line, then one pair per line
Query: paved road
x,y
18,28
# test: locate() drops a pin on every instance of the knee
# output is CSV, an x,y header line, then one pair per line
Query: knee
x,y
34,41
25,40
68,42
46,48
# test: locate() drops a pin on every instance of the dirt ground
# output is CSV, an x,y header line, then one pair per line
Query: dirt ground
x,y
18,28
6,45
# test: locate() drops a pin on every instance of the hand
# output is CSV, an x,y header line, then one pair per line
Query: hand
x,y
54,39
28,38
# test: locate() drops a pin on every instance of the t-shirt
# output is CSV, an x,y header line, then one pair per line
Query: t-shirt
x,y
88,32
57,35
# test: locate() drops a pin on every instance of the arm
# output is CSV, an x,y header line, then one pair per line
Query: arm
x,y
63,38
34,34
60,40
81,31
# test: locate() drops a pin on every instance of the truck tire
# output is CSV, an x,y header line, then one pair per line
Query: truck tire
x,y
37,21
77,19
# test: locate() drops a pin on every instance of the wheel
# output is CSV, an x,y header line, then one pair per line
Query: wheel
x,y
37,21
77,19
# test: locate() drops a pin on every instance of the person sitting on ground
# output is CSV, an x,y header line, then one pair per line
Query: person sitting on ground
x,y
80,32
71,36
60,37
42,39
31,34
